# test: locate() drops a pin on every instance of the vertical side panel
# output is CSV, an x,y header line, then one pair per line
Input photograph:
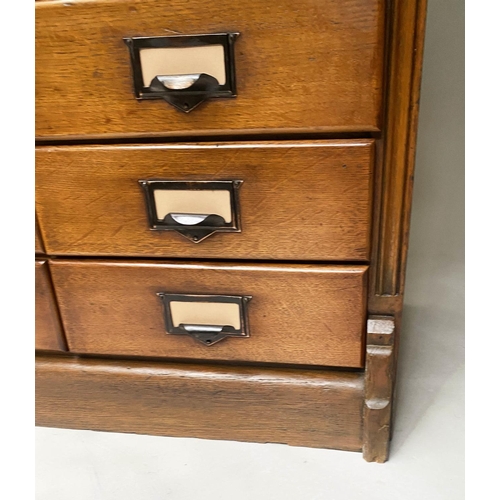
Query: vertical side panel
x,y
393,189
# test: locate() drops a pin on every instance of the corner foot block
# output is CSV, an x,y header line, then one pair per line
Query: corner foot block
x,y
379,381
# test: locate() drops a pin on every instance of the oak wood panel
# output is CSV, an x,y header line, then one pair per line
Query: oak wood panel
x,y
393,189
302,408
298,200
48,331
299,314
301,66
38,240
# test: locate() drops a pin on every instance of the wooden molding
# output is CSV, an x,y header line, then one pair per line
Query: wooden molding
x,y
379,381
298,407
394,181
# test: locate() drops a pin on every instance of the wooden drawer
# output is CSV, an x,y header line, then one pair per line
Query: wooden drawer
x,y
48,332
303,66
300,314
300,201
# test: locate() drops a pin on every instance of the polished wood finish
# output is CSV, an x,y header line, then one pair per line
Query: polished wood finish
x,y
393,188
48,331
298,200
300,314
306,70
379,383
301,66
301,408
38,240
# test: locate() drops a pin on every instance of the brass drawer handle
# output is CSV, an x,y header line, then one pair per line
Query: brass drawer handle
x,y
204,69
206,318
194,209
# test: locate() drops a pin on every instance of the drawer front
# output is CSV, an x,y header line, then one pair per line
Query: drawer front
x,y
48,332
300,201
311,315
305,66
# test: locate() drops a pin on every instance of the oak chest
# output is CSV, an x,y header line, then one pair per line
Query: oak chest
x,y
223,197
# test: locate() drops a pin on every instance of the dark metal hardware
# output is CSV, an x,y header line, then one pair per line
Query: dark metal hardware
x,y
203,87
206,334
184,92
194,226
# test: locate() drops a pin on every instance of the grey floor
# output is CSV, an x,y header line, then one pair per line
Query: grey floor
x,y
428,445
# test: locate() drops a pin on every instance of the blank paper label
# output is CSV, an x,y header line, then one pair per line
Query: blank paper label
x,y
207,59
205,313
207,202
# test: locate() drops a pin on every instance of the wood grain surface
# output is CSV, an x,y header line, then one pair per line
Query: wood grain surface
x,y
299,314
302,408
48,331
396,162
392,201
301,65
298,200
38,240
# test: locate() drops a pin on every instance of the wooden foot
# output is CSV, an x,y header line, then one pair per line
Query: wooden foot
x,y
379,381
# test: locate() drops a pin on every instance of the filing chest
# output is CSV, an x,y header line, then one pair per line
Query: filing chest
x,y
222,200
